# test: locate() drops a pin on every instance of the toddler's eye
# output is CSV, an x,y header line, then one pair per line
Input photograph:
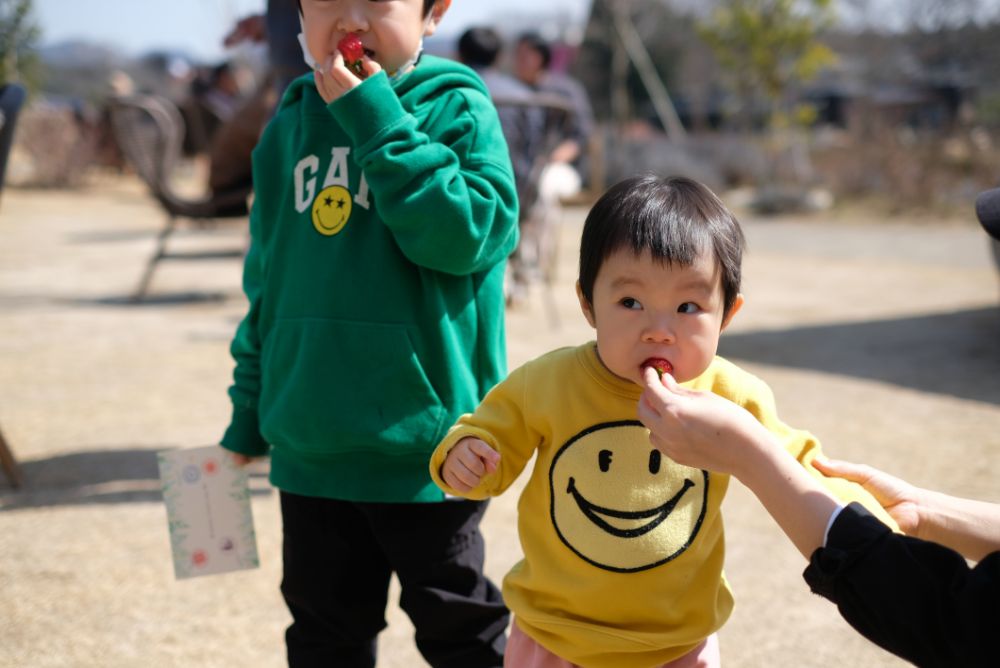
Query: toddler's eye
x,y
688,307
631,303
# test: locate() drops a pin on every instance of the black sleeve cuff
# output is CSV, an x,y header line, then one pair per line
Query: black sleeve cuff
x,y
850,537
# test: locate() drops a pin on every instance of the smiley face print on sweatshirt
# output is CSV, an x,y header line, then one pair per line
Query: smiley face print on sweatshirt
x,y
621,505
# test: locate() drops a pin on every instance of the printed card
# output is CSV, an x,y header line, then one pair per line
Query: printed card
x,y
208,512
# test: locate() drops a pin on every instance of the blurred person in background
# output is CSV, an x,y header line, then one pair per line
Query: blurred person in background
x,y
218,90
568,160
523,125
215,97
564,139
480,48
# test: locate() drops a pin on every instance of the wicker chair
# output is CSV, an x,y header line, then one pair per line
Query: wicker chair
x,y
150,130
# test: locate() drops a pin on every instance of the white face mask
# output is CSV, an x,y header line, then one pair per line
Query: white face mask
x,y
409,64
310,61
393,76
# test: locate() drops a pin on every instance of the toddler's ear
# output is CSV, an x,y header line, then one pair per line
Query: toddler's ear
x,y
737,305
588,310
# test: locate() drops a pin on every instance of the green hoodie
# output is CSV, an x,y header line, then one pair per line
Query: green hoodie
x,y
379,233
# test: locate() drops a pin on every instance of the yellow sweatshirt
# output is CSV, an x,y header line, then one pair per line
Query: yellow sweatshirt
x,y
623,548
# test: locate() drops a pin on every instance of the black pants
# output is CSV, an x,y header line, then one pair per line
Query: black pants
x,y
339,556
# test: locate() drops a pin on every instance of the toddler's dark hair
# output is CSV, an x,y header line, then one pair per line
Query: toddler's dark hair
x,y
674,218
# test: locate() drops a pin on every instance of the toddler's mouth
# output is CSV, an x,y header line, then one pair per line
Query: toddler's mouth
x,y
661,365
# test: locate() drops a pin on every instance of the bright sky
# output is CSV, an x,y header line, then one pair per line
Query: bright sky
x,y
197,26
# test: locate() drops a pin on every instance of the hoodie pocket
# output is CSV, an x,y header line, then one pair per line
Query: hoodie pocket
x,y
333,387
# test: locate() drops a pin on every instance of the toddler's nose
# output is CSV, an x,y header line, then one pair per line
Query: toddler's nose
x,y
659,329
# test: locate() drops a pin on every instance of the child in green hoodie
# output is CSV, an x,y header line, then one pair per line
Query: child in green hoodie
x,y
384,210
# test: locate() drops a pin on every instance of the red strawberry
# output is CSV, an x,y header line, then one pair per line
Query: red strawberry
x,y
661,365
350,46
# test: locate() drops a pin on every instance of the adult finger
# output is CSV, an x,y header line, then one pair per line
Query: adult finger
x,y
673,450
662,385
651,378
668,381
648,411
655,398
859,473
657,442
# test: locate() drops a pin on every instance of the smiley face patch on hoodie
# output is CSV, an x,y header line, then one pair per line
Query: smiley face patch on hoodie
x,y
331,210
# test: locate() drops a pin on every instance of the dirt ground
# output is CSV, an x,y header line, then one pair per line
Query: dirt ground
x,y
883,338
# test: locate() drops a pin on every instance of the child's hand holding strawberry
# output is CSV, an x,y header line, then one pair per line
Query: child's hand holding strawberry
x,y
344,69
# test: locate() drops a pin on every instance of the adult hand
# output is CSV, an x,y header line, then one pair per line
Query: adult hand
x,y
699,429
468,462
899,498
333,78
706,431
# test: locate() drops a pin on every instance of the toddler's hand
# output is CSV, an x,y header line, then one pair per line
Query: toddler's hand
x,y
334,78
468,462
